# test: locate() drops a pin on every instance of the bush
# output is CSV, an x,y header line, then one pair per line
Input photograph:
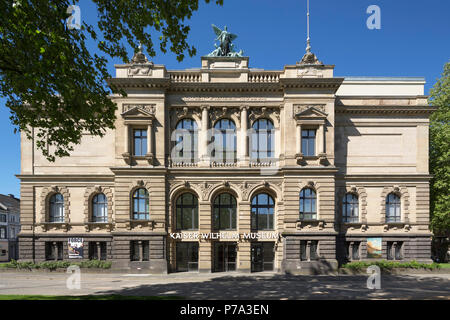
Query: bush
x,y
53,265
389,265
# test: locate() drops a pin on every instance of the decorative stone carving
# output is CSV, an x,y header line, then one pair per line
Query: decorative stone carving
x,y
298,108
146,108
179,113
402,192
45,198
88,196
216,113
265,112
310,72
140,66
361,193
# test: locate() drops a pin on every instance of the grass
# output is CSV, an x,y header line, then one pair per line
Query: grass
x,y
87,297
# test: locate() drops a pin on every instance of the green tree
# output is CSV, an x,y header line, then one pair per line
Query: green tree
x,y
440,154
50,79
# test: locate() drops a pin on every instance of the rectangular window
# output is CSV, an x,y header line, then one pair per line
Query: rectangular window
x,y
134,250
3,232
389,250
309,142
54,251
313,250
59,247
355,251
139,250
145,251
93,250
303,247
394,250
2,217
139,142
398,251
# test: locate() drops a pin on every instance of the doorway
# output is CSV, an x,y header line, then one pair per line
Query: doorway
x,y
263,255
224,257
187,256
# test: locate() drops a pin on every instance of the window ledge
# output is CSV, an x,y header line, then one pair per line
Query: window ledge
x,y
301,223
132,223
99,225
397,225
54,225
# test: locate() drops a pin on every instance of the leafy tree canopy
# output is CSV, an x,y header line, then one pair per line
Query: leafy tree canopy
x,y
50,79
440,154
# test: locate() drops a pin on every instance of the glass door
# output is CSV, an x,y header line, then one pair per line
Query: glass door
x,y
224,257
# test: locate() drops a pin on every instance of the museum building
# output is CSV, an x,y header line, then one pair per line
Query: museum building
x,y
229,168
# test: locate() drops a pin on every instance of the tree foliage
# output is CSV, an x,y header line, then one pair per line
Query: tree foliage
x,y
440,154
51,80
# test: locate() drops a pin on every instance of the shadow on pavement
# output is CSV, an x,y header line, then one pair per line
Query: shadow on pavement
x,y
297,287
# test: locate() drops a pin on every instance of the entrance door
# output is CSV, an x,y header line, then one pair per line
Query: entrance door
x,y
224,257
262,256
187,256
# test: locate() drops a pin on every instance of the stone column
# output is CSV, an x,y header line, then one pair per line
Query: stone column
x,y
149,154
321,139
126,137
243,157
244,248
203,143
205,255
141,251
308,251
99,252
55,250
298,149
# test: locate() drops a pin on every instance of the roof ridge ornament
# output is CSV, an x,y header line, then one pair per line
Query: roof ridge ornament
x,y
139,57
309,57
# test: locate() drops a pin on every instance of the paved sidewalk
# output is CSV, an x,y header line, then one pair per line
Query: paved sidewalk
x,y
231,285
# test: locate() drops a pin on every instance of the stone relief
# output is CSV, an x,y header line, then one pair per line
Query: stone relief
x,y
148,108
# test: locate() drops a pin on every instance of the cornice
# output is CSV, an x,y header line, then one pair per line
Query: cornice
x,y
65,177
385,109
224,86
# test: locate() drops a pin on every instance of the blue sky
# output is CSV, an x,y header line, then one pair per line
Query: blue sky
x,y
414,40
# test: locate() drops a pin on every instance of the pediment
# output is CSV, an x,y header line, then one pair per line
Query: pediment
x,y
310,113
138,111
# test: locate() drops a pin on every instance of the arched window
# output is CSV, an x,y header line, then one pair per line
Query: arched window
x,y
187,212
224,212
263,140
308,204
186,136
140,205
56,213
393,212
224,139
350,208
262,212
99,208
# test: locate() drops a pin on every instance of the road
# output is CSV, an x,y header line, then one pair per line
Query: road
x,y
231,285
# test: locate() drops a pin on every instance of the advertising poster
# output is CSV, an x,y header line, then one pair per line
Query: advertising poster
x,y
374,248
75,248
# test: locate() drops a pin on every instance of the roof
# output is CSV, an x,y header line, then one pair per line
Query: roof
x,y
10,202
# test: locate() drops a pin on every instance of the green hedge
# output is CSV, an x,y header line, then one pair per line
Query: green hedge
x,y
389,265
53,265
